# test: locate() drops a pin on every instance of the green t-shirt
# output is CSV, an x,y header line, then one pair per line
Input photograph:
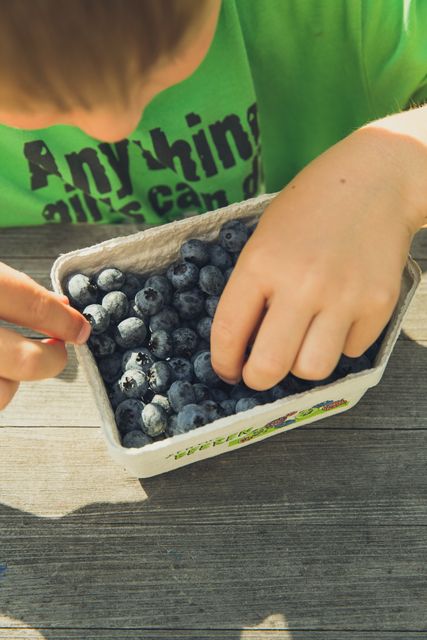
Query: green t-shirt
x,y
283,80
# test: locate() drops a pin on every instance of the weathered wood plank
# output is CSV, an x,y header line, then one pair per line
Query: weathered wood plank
x,y
303,477
399,401
13,633
74,572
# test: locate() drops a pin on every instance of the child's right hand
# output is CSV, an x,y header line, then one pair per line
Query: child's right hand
x,y
28,304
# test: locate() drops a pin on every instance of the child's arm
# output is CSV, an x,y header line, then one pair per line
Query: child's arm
x,y
27,304
326,259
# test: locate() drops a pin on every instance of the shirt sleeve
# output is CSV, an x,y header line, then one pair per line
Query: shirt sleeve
x,y
394,47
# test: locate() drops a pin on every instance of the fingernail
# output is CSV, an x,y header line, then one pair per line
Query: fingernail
x,y
84,333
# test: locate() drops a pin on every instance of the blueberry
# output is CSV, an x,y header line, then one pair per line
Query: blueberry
x,y
233,236
134,312
81,291
163,401
136,439
117,305
213,409
189,304
291,384
149,301
244,404
211,280
159,376
98,317
240,390
129,415
101,345
133,383
161,344
201,392
130,333
110,279
132,285
219,257
162,285
229,406
181,393
167,319
204,326
110,367
203,346
227,273
185,342
211,304
348,365
277,392
172,428
218,394
190,417
196,251
182,369
140,358
183,275
115,394
204,371
155,419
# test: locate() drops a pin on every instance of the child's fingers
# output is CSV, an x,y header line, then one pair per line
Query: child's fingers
x,y
277,342
323,344
24,359
8,388
26,303
240,306
363,333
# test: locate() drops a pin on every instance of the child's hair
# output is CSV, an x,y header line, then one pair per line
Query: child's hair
x,y
69,53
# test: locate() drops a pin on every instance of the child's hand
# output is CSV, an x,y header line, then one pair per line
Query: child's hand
x,y
28,304
321,274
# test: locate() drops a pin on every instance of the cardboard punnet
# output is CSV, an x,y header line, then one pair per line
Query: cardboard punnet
x,y
151,251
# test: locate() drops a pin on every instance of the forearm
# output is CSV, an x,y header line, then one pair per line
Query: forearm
x,y
401,139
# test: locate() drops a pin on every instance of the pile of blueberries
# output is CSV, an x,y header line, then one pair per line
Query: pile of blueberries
x,y
151,341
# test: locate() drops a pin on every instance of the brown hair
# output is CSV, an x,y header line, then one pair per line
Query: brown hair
x,y
68,53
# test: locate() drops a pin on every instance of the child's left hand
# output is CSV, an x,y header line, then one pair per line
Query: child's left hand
x,y
321,274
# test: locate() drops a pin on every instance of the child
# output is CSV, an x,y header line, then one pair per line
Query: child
x,y
118,110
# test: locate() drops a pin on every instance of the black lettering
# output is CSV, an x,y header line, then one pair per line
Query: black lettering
x,y
188,198
158,197
89,157
152,163
202,146
179,149
78,208
41,163
119,164
93,207
55,210
129,210
230,125
252,119
251,182
215,200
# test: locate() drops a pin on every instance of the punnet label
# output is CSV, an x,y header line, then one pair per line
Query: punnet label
x,y
244,435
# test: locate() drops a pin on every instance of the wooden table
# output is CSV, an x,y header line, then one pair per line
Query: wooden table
x,y
316,534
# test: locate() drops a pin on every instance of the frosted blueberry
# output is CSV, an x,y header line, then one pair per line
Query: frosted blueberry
x,y
211,304
155,419
201,392
182,369
204,327
141,358
185,342
167,319
115,394
149,301
81,291
133,383
229,406
161,284
110,367
219,257
244,404
163,401
98,317
117,305
133,283
159,376
130,333
189,304
110,279
213,410
190,417
101,345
